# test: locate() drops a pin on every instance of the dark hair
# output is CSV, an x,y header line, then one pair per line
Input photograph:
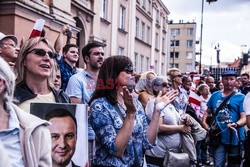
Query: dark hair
x,y
86,49
217,84
185,78
67,46
245,74
109,71
59,113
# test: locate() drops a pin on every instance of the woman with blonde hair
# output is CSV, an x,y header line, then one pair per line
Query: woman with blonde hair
x,y
181,100
35,67
143,87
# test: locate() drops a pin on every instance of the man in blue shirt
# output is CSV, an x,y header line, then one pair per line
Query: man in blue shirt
x,y
67,63
82,85
230,119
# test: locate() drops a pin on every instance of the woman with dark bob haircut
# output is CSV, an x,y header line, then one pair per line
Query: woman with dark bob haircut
x,y
122,132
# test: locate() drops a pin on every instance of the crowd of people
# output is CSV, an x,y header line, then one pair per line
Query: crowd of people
x,y
134,119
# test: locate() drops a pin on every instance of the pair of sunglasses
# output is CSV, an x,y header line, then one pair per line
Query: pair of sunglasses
x,y
164,84
129,69
42,53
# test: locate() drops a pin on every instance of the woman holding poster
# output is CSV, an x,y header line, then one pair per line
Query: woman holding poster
x,y
122,132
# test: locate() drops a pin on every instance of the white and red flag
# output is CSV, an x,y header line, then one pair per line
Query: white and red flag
x,y
37,29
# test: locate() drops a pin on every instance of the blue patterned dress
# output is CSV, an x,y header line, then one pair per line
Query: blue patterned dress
x,y
106,123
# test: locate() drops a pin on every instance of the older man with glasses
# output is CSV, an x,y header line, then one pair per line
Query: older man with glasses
x,y
8,48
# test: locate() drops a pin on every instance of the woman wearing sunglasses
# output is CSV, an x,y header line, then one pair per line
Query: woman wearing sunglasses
x,y
176,131
35,69
119,122
181,100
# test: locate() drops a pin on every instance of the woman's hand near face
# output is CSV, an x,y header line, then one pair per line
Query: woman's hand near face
x,y
167,98
128,101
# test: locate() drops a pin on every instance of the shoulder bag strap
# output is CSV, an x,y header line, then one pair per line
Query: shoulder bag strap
x,y
223,103
137,163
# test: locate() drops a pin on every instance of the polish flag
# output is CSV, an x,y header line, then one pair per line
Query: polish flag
x,y
194,98
37,29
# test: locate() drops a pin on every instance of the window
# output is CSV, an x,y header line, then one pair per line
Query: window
x,y
137,27
189,43
148,34
135,64
144,4
174,43
190,31
189,67
189,55
164,23
156,66
174,53
149,6
163,45
122,17
157,16
121,51
162,69
142,31
156,40
104,9
175,31
147,63
175,65
142,59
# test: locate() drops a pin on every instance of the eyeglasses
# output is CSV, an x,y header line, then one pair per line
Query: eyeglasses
x,y
129,69
178,76
164,84
10,44
42,53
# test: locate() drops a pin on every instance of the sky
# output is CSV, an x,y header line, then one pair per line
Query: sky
x,y
226,22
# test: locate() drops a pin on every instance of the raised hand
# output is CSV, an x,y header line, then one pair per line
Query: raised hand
x,y
165,99
128,101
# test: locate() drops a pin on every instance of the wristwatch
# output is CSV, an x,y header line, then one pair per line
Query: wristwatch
x,y
237,125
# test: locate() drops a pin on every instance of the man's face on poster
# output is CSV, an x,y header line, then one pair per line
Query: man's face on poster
x,y
63,136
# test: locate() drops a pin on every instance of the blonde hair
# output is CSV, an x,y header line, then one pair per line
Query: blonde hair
x,y
19,66
201,87
141,84
172,72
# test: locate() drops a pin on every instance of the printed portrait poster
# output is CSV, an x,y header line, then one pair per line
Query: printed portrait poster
x,y
80,111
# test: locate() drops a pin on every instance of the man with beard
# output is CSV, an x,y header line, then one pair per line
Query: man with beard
x,y
82,85
63,132
8,48
245,88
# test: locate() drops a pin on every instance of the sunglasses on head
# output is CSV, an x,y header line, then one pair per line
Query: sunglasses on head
x,y
42,53
129,69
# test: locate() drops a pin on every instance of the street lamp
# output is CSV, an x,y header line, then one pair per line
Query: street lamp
x,y
202,7
217,48
173,51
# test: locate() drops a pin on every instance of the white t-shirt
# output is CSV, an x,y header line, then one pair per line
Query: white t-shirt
x,y
246,104
48,98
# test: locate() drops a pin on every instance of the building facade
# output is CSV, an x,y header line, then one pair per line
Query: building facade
x,y
182,46
135,28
